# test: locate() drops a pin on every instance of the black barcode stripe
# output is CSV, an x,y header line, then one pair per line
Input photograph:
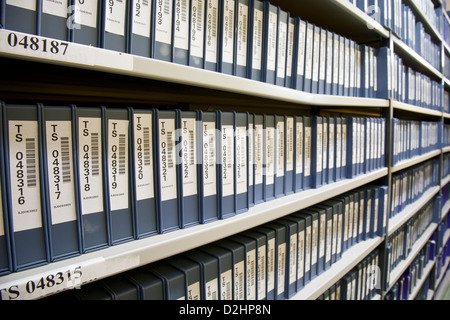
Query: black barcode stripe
x,y
169,150
243,157
200,16
214,22
30,151
228,291
191,147
95,154
146,139
122,154
166,7
212,151
184,10
65,159
229,155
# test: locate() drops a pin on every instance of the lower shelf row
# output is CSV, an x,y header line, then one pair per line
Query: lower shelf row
x,y
273,261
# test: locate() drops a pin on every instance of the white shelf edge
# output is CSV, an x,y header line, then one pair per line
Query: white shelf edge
x,y
126,256
445,180
401,267
364,17
415,160
442,284
412,108
417,57
425,19
349,260
98,59
398,220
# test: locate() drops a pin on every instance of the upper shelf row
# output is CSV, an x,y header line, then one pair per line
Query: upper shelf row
x,y
353,24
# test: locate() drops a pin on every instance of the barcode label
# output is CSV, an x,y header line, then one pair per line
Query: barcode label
x,y
90,168
122,160
59,168
259,154
147,152
241,43
168,174
280,148
115,17
189,167
95,152
170,149
141,17
65,159
197,34
143,152
241,159
212,288
269,160
163,22
209,159
257,39
228,31
299,147
226,285
211,31
118,163
30,152
25,194
227,160
181,23
239,283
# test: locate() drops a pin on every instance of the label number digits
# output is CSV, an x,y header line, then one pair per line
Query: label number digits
x,y
37,44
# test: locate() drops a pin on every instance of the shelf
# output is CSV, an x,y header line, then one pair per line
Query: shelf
x,y
415,160
409,55
337,15
415,109
421,17
349,260
443,282
404,264
101,60
425,273
116,259
398,220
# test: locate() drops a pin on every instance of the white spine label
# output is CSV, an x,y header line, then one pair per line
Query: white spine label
x,y
141,17
25,4
163,23
60,171
118,163
143,156
55,8
181,25
209,159
86,13
242,36
168,172
189,156
241,160
24,175
227,160
211,31
90,164
115,17
197,34
228,31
